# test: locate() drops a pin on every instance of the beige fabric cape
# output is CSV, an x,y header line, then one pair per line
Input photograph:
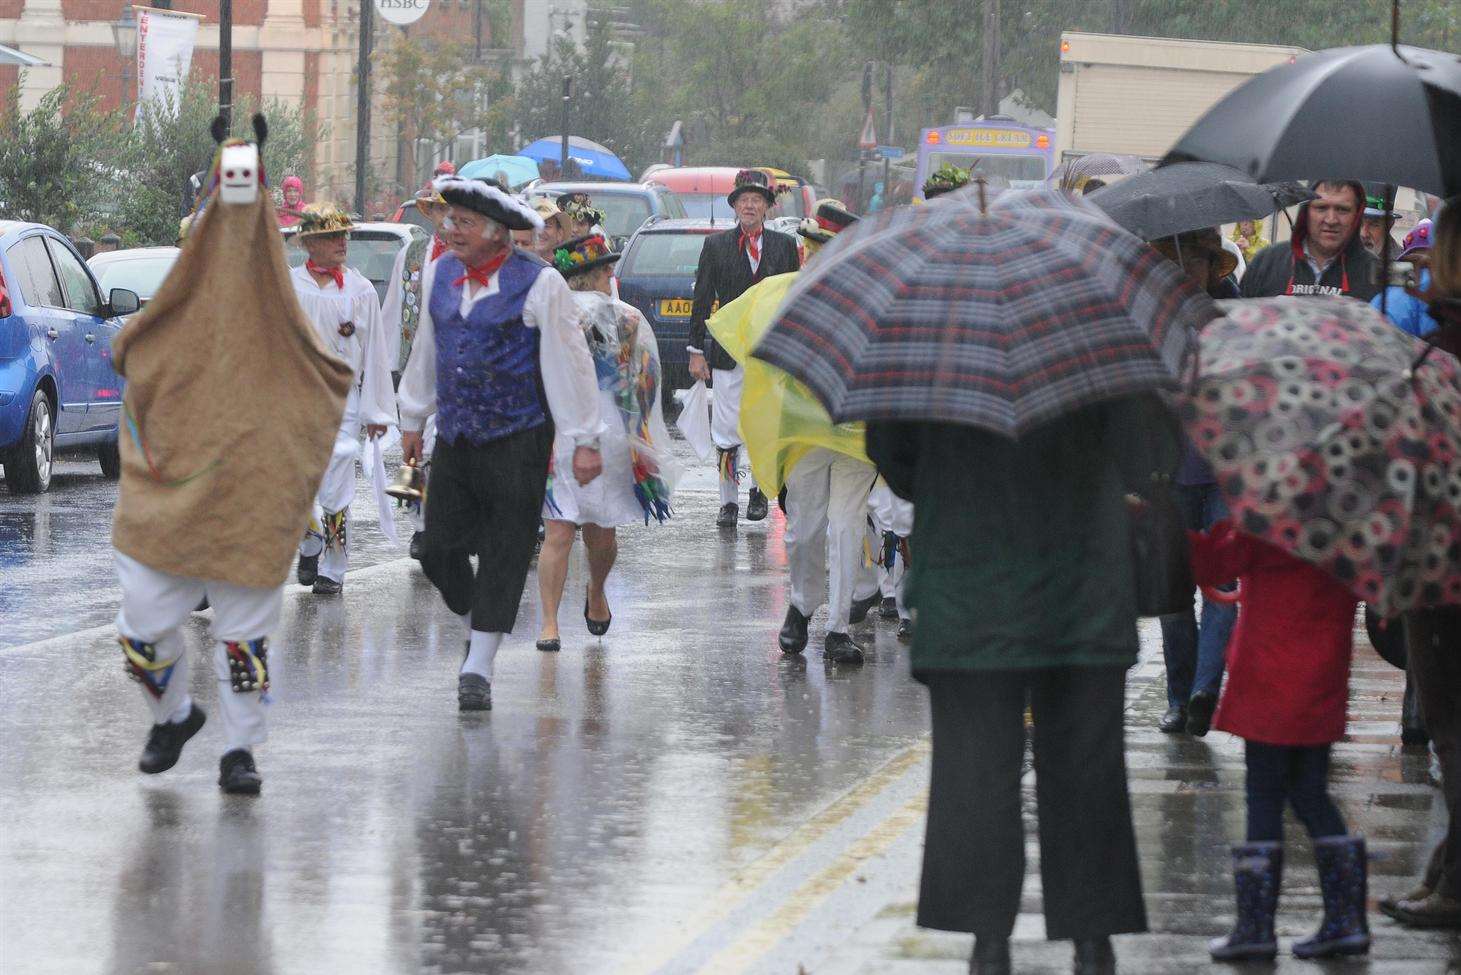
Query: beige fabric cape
x,y
230,411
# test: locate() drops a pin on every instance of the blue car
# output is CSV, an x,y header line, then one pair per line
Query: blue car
x,y
58,390
657,276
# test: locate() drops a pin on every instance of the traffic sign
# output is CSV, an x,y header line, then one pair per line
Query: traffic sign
x,y
402,12
890,152
869,137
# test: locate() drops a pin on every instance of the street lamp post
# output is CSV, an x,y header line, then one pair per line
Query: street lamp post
x,y
362,103
124,36
225,62
563,148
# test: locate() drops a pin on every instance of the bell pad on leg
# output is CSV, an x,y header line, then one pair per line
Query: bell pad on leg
x,y
248,668
334,527
139,659
730,463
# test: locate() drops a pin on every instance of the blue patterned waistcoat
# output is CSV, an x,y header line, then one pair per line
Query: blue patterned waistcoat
x,y
488,384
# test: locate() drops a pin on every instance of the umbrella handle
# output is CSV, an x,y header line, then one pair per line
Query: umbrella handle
x,y
1211,594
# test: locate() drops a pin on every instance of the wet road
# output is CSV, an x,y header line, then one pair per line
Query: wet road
x,y
675,798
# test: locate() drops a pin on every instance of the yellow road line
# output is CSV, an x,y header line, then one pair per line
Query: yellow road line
x,y
739,888
740,955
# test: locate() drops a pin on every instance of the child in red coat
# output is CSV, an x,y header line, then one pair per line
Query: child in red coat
x,y
1286,694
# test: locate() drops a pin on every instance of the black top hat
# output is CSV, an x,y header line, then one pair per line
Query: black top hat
x,y
487,198
831,218
755,181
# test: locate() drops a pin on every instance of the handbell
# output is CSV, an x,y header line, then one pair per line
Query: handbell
x,y
410,484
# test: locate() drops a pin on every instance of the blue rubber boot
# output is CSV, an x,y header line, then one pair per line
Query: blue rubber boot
x,y
1342,880
1257,875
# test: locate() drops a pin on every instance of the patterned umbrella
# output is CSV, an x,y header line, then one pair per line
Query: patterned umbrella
x,y
1001,319
1328,443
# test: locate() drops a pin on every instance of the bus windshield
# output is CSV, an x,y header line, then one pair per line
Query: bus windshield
x,y
1019,170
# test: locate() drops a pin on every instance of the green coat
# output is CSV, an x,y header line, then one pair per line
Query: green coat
x,y
1021,550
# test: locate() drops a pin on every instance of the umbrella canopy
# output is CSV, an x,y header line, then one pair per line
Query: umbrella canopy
x,y
519,169
9,55
596,161
1189,196
1002,319
1328,445
1369,113
1097,164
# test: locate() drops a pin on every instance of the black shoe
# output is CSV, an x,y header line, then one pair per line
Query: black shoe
x,y
730,513
596,627
1174,721
889,608
327,587
793,636
416,546
474,693
237,775
202,605
308,571
1094,956
165,742
905,628
550,646
991,957
839,649
1199,713
861,607
756,505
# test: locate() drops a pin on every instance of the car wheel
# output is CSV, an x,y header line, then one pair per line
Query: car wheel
x,y
110,456
28,465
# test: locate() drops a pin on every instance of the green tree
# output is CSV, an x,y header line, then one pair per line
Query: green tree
x,y
50,158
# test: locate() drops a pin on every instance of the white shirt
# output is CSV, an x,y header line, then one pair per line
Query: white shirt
x,y
366,349
563,358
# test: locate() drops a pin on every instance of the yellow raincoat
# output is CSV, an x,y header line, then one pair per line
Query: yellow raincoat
x,y
780,418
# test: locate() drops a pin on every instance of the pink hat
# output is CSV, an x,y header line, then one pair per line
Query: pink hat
x,y
1419,239
444,167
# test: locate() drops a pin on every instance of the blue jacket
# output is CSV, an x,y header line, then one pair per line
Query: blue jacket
x,y
1408,312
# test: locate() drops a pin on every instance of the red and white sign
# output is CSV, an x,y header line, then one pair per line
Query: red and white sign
x,y
869,137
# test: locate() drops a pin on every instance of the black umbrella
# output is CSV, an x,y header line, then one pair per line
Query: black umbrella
x,y
1388,113
1188,196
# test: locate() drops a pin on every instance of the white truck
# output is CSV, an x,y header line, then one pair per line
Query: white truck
x,y
1137,95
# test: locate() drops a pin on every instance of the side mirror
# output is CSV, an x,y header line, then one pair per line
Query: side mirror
x,y
123,302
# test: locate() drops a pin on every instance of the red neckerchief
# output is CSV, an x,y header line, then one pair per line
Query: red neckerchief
x,y
438,247
751,244
482,273
337,274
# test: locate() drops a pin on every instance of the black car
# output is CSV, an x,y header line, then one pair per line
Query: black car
x,y
657,276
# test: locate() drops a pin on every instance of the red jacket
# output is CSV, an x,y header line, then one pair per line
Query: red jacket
x,y
1288,659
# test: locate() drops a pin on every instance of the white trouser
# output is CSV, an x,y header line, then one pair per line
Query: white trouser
x,y
155,604
826,515
337,490
428,444
890,513
725,426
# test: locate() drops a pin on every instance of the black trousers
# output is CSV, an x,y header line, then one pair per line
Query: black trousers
x,y
1433,658
484,500
974,850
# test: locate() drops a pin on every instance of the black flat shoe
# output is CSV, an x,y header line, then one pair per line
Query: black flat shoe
x,y
237,775
1174,721
730,513
596,627
474,693
793,635
905,629
839,649
550,646
889,608
756,506
327,587
861,607
165,742
991,957
1199,713
308,570
1094,956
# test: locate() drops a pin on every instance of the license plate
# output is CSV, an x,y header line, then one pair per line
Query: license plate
x,y
675,307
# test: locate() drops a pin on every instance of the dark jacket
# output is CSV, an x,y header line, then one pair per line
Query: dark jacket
x,y
724,273
1282,269
1021,551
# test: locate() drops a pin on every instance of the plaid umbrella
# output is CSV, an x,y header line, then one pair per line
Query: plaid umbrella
x,y
1328,443
1003,320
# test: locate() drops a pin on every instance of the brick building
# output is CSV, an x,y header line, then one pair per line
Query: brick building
x,y
301,52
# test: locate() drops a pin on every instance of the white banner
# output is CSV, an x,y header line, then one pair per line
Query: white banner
x,y
164,54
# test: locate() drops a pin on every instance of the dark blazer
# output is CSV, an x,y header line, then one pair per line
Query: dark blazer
x,y
724,273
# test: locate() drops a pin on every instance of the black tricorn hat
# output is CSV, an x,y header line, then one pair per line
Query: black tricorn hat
x,y
489,199
754,181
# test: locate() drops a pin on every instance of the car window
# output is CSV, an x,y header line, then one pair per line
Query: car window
x,y
670,204
143,275
80,291
624,213
670,254
32,267
373,254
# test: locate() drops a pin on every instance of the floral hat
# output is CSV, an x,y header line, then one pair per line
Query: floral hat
x,y
579,206
323,218
583,254
752,181
946,179
1419,239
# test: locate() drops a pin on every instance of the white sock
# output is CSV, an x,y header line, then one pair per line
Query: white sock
x,y
481,652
